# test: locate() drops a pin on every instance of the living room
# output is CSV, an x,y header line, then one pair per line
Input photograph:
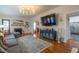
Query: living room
x,y
23,23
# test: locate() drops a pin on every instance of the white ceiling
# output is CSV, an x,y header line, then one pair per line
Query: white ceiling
x,y
12,10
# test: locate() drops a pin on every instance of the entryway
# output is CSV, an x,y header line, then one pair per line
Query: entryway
x,y
74,26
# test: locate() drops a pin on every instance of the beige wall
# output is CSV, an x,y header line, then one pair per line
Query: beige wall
x,y
62,12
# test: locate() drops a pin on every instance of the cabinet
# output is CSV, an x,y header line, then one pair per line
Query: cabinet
x,y
49,34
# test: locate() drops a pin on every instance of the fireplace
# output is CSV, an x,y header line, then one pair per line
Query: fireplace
x,y
18,30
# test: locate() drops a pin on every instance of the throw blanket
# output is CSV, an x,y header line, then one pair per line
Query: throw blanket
x,y
29,44
10,40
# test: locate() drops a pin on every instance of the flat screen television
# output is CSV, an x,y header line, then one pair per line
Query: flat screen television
x,y
48,20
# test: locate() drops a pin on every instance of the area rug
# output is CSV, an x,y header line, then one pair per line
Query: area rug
x,y
29,44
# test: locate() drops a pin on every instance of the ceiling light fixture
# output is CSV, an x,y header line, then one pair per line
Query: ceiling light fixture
x,y
27,9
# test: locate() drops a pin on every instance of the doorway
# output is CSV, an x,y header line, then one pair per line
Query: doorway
x,y
74,27
6,23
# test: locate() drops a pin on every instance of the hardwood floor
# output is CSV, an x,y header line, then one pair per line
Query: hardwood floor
x,y
73,43
57,47
61,47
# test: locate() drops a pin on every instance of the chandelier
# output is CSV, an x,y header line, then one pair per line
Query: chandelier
x,y
27,9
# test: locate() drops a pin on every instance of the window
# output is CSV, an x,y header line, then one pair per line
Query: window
x,y
6,24
34,25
